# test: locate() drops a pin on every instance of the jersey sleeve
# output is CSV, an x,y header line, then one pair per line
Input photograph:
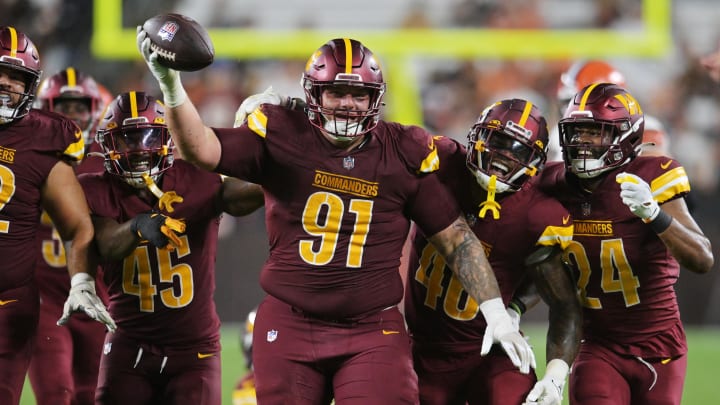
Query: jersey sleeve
x,y
418,150
669,182
552,219
74,151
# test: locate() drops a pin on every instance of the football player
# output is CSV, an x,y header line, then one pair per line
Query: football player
x,y
341,187
37,150
244,392
633,232
524,233
160,281
580,74
585,72
65,361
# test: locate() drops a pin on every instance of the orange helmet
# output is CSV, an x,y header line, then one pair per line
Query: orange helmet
x,y
106,97
583,73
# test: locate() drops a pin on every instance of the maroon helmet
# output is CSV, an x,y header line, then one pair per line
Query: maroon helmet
x,y
343,62
19,55
508,141
135,139
71,84
610,112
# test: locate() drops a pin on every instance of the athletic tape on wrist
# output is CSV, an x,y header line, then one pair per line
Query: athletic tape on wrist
x,y
661,222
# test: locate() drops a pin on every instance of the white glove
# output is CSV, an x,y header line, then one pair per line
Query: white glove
x,y
515,318
168,79
636,194
549,390
82,297
250,104
500,329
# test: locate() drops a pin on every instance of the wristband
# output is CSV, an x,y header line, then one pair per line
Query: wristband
x,y
661,222
517,306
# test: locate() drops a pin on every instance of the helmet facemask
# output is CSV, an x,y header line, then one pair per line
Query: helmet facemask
x,y
136,151
11,110
344,124
503,154
348,66
602,130
80,110
20,59
75,95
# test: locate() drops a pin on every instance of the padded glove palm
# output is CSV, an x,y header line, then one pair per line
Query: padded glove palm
x,y
82,297
158,229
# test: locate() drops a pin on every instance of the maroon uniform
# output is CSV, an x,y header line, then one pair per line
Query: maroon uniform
x,y
336,223
444,322
29,149
168,329
74,372
626,280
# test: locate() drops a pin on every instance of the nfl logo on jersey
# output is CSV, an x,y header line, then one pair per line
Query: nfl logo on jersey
x,y
168,30
586,209
272,335
348,163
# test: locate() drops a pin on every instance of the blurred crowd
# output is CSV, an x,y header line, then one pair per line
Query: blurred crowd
x,y
674,88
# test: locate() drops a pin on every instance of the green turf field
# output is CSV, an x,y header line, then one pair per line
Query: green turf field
x,y
700,389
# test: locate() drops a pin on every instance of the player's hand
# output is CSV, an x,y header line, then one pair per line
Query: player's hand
x,y
500,329
515,317
168,79
549,390
636,194
82,297
158,229
250,104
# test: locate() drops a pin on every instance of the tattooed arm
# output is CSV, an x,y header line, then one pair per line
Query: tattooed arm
x,y
464,254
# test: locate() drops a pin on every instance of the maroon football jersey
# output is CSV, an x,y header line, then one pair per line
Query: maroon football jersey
x,y
438,310
29,149
626,274
51,271
337,220
167,296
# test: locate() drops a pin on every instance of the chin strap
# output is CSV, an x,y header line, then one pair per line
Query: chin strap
x,y
166,200
490,204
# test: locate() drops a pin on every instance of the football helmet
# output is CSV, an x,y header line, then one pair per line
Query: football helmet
x,y
18,54
583,73
73,85
602,129
343,62
508,141
134,138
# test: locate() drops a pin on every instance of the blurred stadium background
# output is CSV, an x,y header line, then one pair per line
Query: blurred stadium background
x,y
444,61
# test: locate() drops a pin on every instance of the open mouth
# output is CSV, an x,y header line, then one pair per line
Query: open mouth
x,y
140,163
499,168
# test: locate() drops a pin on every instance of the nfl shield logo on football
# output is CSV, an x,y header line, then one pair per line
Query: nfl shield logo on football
x,y
168,30
348,163
272,335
